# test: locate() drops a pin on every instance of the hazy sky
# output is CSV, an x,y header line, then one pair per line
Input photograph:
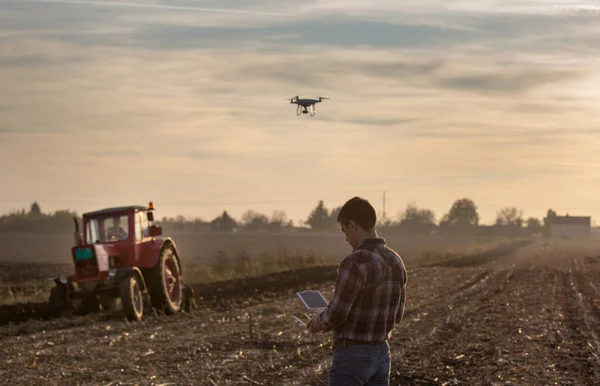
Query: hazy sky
x,y
186,103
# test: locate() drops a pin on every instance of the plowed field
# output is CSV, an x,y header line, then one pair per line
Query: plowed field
x,y
525,314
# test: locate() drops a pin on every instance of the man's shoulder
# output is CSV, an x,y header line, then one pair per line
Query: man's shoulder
x,y
390,251
361,256
356,260
365,254
350,260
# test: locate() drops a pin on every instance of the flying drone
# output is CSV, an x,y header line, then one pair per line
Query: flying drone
x,y
306,106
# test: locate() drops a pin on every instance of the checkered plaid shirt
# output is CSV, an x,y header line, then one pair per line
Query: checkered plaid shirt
x,y
370,294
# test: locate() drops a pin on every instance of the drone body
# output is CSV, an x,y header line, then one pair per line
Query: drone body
x,y
306,106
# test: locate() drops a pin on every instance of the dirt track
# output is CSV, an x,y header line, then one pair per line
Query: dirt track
x,y
523,315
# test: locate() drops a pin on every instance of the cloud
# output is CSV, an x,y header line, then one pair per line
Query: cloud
x,y
374,121
449,8
164,6
431,104
508,82
27,61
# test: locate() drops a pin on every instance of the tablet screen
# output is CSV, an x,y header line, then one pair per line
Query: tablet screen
x,y
312,299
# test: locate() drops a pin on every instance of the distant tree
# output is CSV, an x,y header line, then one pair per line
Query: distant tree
x,y
547,220
21,224
279,220
383,223
461,218
510,216
227,222
252,220
549,214
417,221
319,217
333,217
534,225
35,210
62,220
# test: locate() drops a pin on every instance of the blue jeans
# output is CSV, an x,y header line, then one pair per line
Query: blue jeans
x,y
361,365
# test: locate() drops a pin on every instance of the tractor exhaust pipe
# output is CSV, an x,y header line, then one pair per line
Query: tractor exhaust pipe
x,y
77,235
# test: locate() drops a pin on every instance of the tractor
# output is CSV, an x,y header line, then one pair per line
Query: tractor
x,y
122,254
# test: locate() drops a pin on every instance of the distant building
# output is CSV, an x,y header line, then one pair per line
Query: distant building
x,y
569,227
224,223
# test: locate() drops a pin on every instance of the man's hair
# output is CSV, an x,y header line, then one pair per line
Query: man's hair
x,y
358,210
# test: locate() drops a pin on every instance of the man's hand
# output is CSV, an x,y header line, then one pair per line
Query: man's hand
x,y
313,325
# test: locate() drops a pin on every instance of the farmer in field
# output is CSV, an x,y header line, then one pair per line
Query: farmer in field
x,y
116,231
368,300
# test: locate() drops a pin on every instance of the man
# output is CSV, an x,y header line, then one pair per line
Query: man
x,y
369,299
116,231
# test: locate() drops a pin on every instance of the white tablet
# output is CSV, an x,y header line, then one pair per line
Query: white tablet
x,y
312,299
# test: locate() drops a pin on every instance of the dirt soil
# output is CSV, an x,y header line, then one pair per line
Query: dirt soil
x,y
527,314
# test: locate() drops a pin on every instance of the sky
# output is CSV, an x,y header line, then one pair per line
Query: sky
x,y
186,103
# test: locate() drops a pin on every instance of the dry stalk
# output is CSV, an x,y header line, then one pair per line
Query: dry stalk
x,y
250,326
251,380
212,382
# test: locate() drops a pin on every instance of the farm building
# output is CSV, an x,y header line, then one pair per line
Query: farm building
x,y
570,227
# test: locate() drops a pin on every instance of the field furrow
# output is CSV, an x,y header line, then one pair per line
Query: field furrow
x,y
526,314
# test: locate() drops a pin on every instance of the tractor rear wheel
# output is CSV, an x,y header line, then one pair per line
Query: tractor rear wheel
x,y
132,298
164,282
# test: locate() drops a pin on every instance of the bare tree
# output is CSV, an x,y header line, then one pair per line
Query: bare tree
x,y
252,220
462,217
417,221
279,220
510,216
534,225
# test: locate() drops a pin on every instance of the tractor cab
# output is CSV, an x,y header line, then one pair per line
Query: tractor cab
x,y
128,224
113,238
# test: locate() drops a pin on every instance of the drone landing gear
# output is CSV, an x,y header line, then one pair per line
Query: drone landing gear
x,y
306,110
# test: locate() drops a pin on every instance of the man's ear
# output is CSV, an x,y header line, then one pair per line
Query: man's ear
x,y
352,224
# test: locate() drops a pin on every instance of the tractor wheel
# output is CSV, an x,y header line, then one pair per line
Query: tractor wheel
x,y
58,304
164,282
132,298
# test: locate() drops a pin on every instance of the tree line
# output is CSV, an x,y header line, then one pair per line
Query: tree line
x,y
462,219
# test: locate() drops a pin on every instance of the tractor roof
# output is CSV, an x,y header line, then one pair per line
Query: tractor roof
x,y
115,210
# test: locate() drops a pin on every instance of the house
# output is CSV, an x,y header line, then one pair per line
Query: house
x,y
223,223
569,227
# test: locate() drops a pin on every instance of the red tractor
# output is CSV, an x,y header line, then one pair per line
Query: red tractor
x,y
122,254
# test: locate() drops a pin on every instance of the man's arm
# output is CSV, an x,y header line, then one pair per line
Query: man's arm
x,y
349,281
401,308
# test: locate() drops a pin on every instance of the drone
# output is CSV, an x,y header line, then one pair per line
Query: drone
x,y
306,106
